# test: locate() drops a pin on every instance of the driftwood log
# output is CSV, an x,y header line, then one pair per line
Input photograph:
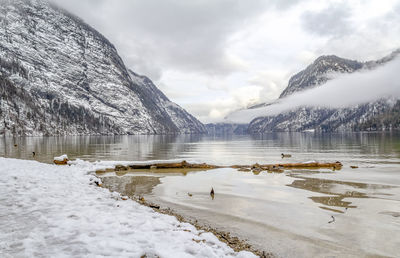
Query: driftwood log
x,y
335,165
182,164
270,167
61,162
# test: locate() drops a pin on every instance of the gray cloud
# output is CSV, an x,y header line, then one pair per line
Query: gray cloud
x,y
370,39
331,21
185,35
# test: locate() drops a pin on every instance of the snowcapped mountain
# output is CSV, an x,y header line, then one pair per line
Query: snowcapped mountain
x,y
151,95
319,72
60,76
325,67
381,114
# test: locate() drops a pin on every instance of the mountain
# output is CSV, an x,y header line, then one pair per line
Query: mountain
x,y
365,117
226,128
323,69
320,72
182,120
59,76
382,114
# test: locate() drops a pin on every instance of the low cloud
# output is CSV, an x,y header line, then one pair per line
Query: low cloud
x,y
343,91
210,111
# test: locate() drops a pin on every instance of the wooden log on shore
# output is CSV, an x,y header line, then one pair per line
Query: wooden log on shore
x,y
182,164
335,165
61,162
258,167
139,166
120,168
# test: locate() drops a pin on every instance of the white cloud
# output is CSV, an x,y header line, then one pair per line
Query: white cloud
x,y
343,91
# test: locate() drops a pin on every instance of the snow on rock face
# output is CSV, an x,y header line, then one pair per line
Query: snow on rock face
x,y
75,78
185,122
318,73
381,114
370,116
52,211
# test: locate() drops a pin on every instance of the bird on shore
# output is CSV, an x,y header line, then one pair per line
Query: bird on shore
x,y
286,155
212,193
33,154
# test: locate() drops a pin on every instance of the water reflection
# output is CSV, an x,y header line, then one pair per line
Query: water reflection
x,y
140,182
365,142
131,185
141,147
337,191
222,149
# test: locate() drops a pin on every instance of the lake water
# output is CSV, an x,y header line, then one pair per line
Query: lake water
x,y
301,213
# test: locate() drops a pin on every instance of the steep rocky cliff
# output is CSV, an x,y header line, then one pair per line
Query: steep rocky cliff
x,y
60,76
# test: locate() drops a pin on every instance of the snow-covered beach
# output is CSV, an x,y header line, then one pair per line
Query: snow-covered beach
x,y
55,211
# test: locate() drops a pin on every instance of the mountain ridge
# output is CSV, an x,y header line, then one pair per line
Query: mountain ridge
x,y
69,64
353,118
318,73
376,115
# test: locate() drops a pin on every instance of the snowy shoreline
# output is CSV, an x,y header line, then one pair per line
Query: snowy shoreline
x,y
53,211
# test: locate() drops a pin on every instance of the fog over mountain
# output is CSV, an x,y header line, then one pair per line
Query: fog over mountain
x,y
341,91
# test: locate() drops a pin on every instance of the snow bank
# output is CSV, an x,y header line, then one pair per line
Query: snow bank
x,y
61,158
53,211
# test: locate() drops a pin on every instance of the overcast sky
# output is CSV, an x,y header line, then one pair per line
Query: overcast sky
x,y
215,56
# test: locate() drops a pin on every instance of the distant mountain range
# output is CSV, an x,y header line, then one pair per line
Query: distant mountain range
x,y
382,114
59,76
321,70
